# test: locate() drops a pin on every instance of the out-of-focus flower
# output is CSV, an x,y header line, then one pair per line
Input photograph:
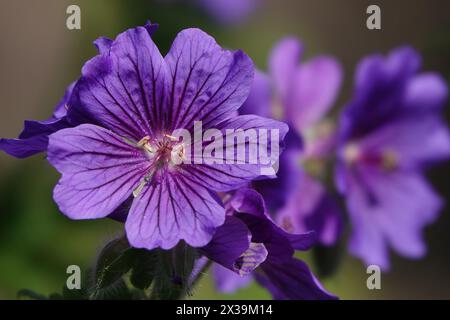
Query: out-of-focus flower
x,y
390,130
301,94
229,11
251,245
34,137
133,99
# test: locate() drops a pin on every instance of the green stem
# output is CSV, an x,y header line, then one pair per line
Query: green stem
x,y
200,274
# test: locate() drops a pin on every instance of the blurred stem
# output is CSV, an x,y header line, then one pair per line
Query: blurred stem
x,y
200,274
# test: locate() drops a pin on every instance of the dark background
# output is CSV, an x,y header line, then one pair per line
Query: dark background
x,y
39,57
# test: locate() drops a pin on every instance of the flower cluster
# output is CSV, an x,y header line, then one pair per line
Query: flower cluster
x,y
113,138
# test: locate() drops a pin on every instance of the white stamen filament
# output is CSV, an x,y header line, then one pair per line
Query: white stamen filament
x,y
351,153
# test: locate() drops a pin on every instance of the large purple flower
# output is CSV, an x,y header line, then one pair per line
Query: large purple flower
x,y
301,94
134,99
34,137
251,245
390,130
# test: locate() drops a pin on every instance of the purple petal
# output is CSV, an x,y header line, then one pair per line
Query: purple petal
x,y
227,281
230,241
403,63
400,139
23,148
99,170
260,98
248,205
207,83
389,208
151,27
173,210
380,86
311,208
277,191
250,259
120,214
426,92
62,106
284,59
124,90
34,137
225,177
292,280
103,44
313,90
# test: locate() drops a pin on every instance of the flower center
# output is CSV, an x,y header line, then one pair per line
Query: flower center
x,y
164,154
386,159
166,151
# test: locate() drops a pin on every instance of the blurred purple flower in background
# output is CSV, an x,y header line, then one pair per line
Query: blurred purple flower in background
x,y
389,131
229,11
265,248
300,94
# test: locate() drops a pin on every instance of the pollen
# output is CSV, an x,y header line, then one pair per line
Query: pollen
x,y
389,160
145,144
351,153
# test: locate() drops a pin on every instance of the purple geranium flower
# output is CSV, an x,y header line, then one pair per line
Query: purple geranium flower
x,y
390,130
34,137
250,245
303,93
133,99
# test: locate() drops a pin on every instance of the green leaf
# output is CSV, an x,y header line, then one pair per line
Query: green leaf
x,y
56,296
112,263
144,268
30,294
116,291
173,272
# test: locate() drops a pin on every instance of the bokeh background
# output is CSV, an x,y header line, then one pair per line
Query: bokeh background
x,y
39,57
